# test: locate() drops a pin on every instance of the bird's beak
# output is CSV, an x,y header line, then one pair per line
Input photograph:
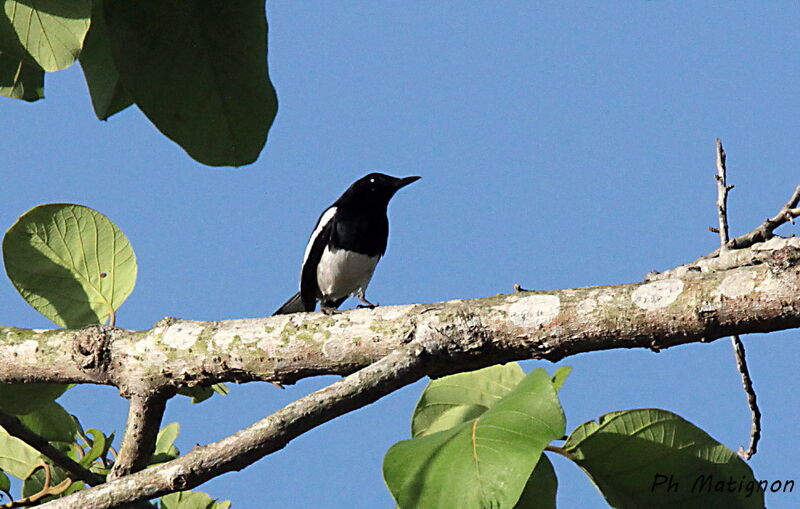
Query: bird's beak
x,y
403,182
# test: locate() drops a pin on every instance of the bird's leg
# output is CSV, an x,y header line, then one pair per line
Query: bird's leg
x,y
364,302
328,310
329,307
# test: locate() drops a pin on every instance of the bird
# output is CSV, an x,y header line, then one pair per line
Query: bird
x,y
346,244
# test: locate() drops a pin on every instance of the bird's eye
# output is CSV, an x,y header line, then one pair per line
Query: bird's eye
x,y
372,180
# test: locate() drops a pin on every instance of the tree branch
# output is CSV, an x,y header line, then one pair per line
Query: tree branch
x,y
761,293
752,400
765,230
77,472
742,291
399,368
437,339
736,342
144,420
722,197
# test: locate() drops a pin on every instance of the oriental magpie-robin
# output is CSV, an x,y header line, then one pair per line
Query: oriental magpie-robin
x,y
345,246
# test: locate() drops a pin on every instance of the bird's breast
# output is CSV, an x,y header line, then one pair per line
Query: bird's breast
x,y
341,273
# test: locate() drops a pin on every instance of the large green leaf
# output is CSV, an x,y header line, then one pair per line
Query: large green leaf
x,y
20,80
16,457
654,458
454,399
107,93
484,462
51,422
51,31
198,70
540,490
71,263
19,399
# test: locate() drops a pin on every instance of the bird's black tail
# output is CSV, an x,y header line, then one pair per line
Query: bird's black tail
x,y
293,305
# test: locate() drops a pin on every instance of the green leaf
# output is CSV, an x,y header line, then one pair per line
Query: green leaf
x,y
71,263
51,31
16,457
51,422
5,482
650,457
191,500
98,445
198,70
540,490
200,393
19,79
107,93
560,375
164,449
454,399
19,399
484,462
75,486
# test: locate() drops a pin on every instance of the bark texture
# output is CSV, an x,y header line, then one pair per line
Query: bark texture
x,y
742,291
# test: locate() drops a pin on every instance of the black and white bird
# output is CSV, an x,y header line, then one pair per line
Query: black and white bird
x,y
346,244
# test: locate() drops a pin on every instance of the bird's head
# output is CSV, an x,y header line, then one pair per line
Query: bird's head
x,y
377,188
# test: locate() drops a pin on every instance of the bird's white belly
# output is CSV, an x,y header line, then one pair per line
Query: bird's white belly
x,y
342,273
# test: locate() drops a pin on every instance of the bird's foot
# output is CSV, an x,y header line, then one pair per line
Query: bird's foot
x,y
329,310
365,304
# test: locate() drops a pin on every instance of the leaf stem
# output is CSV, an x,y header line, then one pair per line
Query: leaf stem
x,y
561,451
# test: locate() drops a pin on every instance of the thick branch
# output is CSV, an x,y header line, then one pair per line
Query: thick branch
x,y
144,419
455,336
399,368
741,291
691,307
77,472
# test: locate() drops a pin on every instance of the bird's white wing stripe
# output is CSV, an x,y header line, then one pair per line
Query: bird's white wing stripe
x,y
323,220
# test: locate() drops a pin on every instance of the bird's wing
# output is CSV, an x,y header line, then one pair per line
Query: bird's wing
x,y
309,288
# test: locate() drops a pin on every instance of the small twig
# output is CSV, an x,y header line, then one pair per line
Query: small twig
x,y
722,197
46,490
738,346
765,231
16,429
747,383
141,429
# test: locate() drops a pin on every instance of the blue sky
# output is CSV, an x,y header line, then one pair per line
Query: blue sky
x,y
561,144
